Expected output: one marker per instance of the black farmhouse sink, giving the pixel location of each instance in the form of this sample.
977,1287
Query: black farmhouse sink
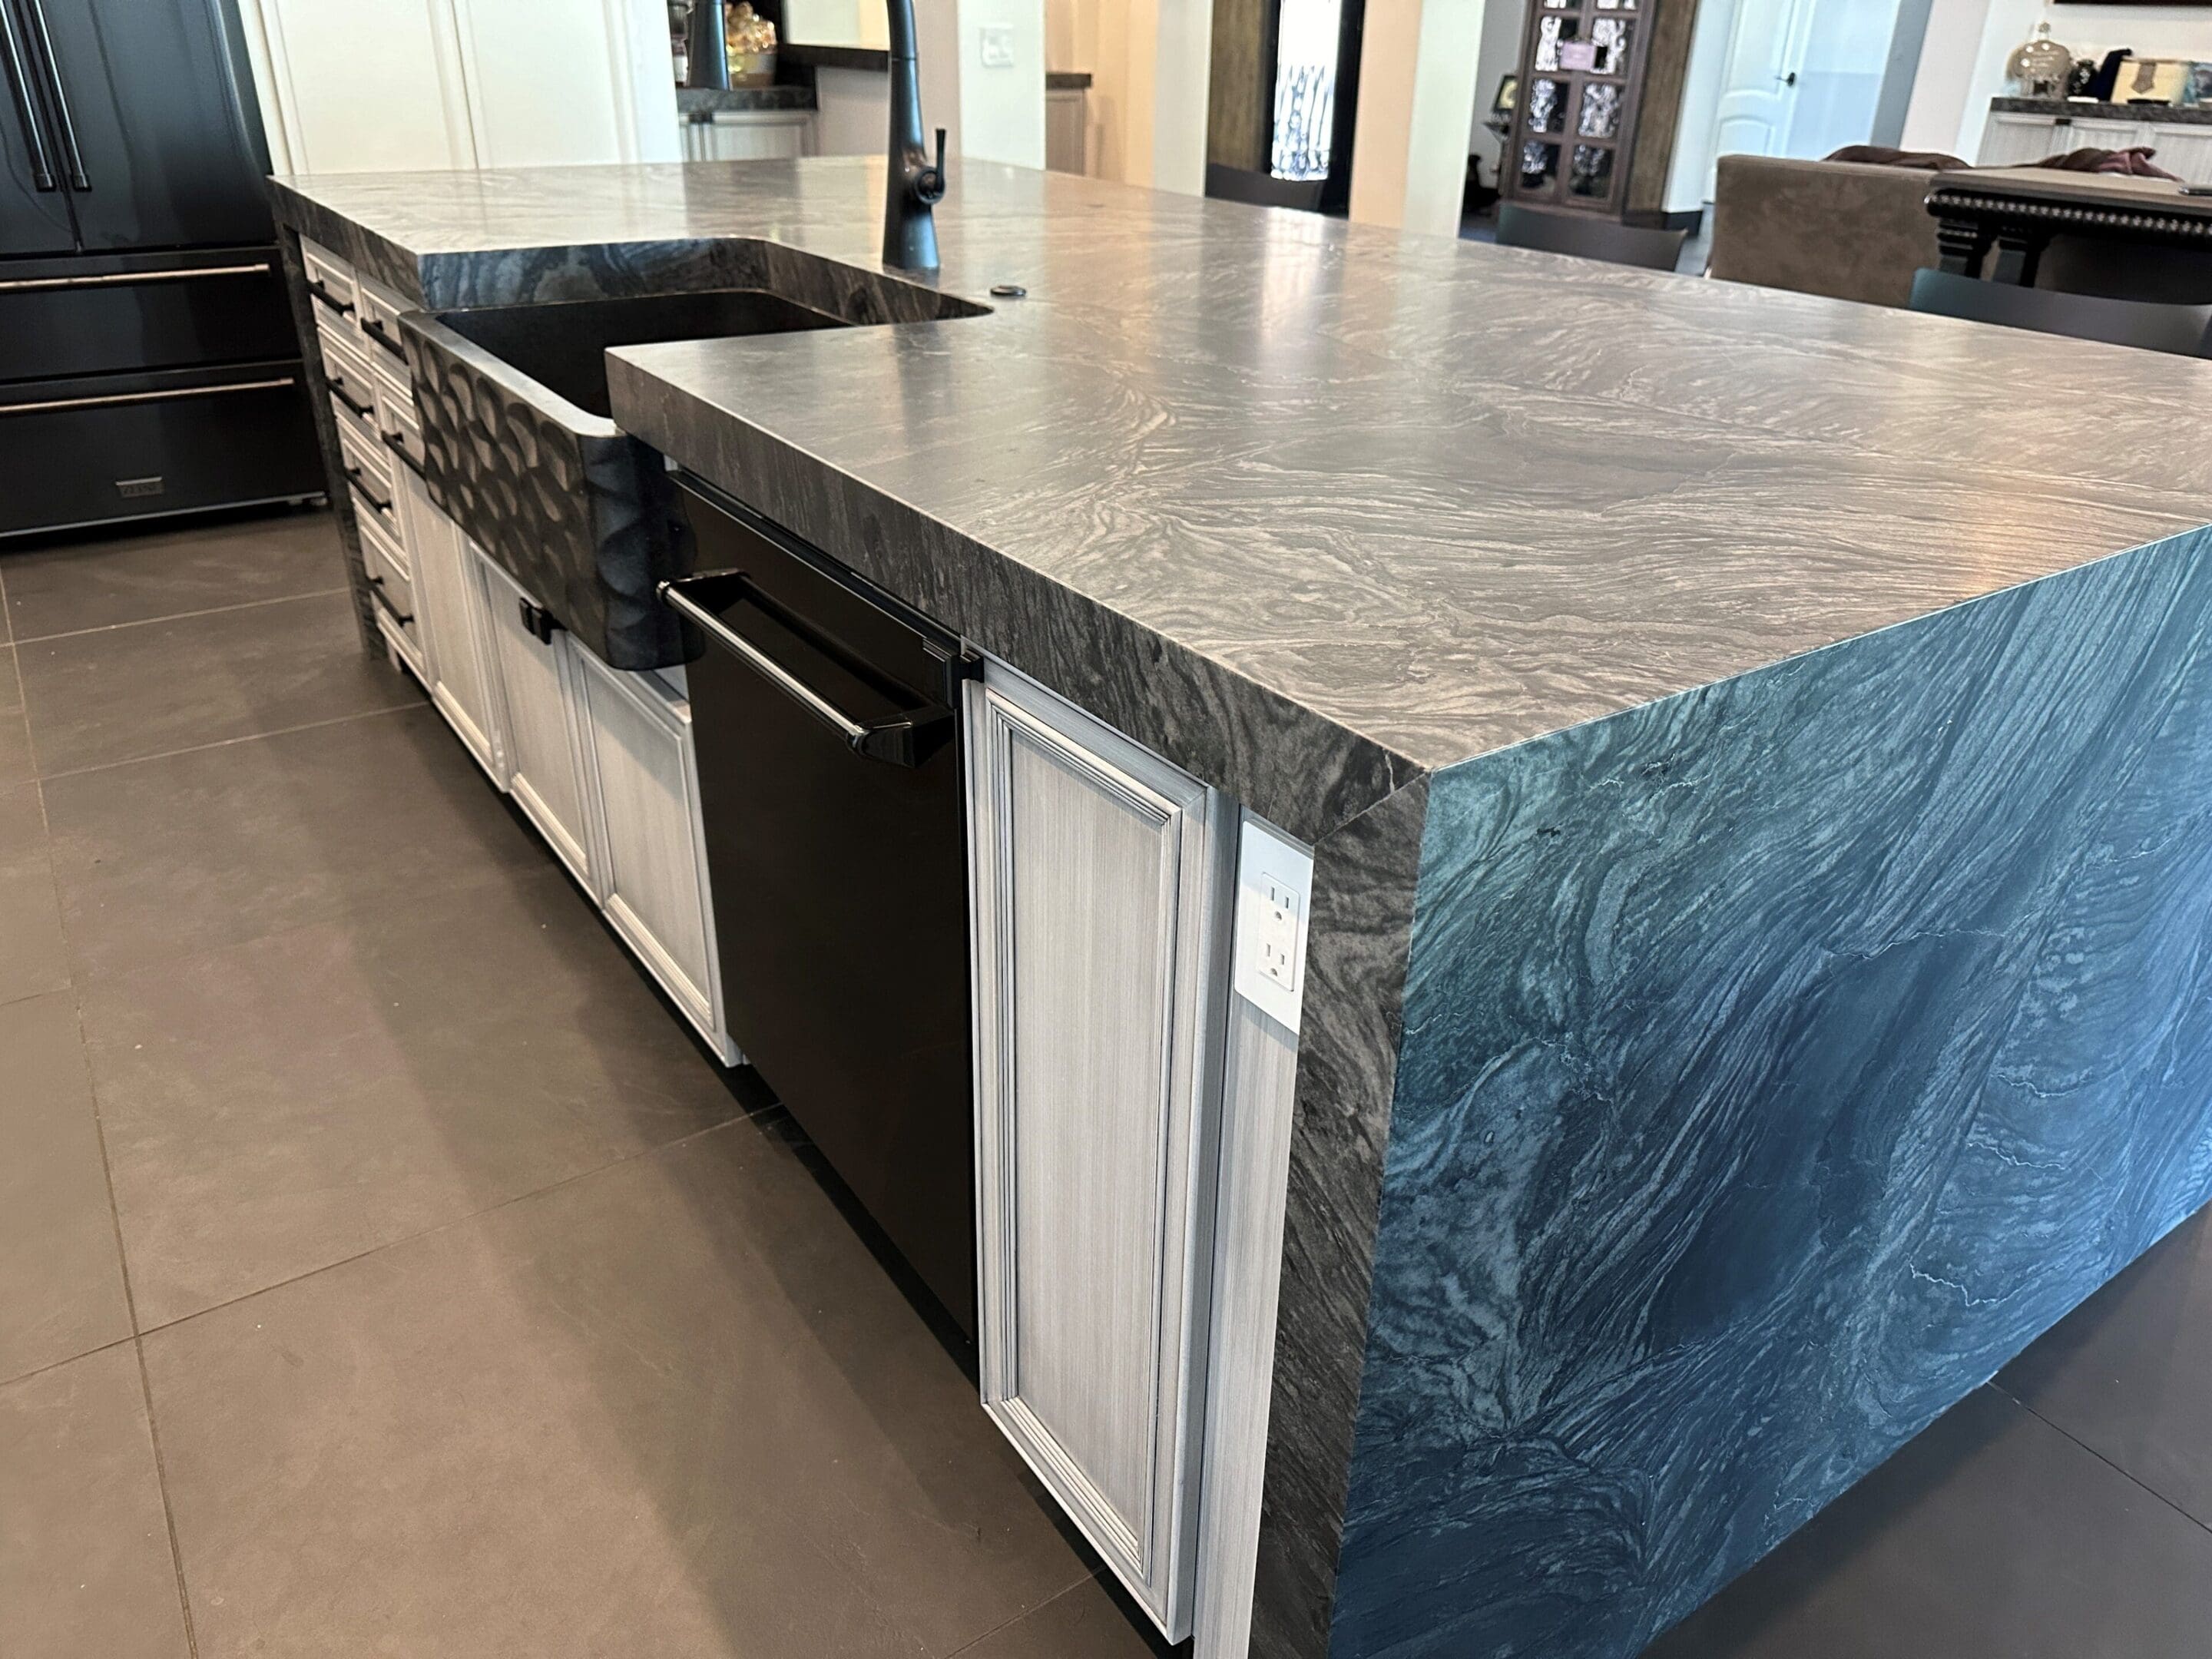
564,346
519,450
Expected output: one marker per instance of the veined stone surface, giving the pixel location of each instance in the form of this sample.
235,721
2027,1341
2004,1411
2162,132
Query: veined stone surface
1780,1059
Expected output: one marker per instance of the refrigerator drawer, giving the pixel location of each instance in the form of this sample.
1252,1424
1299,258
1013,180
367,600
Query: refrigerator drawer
85,451
224,308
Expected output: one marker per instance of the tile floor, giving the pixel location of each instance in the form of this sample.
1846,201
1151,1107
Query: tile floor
383,1269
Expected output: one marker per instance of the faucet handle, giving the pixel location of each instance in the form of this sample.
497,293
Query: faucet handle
929,183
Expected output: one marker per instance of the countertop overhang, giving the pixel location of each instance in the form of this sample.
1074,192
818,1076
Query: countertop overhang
1318,508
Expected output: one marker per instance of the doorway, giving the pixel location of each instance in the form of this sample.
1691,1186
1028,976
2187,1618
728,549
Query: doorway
1801,78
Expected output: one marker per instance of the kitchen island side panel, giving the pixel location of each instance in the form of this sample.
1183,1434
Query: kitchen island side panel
1781,1058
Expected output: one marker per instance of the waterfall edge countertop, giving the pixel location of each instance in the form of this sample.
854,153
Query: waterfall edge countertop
1316,507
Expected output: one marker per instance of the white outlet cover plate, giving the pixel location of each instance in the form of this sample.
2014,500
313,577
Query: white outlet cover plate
1266,856
998,46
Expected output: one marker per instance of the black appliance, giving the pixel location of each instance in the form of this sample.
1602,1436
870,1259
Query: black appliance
827,718
148,360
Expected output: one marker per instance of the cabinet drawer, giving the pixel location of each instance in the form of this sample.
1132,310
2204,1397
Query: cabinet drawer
391,550
346,371
368,469
152,312
396,421
331,285
406,639
380,322
386,561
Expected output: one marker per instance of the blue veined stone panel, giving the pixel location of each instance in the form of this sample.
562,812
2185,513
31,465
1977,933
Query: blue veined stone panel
1780,1059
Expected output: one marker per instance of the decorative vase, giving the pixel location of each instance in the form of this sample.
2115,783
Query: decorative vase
2039,67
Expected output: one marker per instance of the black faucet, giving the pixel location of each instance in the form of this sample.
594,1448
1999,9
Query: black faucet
913,182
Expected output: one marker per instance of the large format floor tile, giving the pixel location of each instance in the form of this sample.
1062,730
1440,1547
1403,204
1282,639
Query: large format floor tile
673,1407
33,957
1088,1622
197,850
152,687
86,1570
16,762
2128,1374
279,1105
201,566
1990,1536
61,1280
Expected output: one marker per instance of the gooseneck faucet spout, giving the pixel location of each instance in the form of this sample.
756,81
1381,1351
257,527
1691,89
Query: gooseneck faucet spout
914,183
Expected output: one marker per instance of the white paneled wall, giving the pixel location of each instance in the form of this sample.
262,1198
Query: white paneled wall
356,86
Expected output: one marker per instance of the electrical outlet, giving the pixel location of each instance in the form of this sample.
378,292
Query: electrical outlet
1274,890
998,46
1278,931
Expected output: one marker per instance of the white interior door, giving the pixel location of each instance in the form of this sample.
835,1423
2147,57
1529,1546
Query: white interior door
1759,82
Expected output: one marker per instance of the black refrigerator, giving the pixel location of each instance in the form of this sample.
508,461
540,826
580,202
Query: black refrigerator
147,360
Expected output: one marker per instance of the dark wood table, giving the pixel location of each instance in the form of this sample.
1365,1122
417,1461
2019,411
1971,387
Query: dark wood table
2016,212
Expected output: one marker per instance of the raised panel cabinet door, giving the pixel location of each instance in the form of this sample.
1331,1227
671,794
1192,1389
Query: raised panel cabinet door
1100,952
449,607
2010,140
369,88
645,786
539,723
2184,150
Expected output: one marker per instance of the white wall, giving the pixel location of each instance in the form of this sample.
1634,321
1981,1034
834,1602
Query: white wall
1500,50
1416,102
1962,63
1689,171
994,114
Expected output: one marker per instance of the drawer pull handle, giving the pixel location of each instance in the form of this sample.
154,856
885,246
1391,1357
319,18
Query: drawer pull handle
337,391
358,479
341,307
376,588
122,278
114,398
382,336
537,621
897,739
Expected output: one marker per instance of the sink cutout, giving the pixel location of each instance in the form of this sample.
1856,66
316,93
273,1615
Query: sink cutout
563,344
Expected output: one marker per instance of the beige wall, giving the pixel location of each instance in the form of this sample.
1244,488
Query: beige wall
1148,62
1417,94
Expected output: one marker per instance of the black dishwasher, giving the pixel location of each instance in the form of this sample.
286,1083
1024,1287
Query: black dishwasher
827,718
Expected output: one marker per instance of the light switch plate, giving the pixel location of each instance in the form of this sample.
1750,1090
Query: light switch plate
998,46
1274,891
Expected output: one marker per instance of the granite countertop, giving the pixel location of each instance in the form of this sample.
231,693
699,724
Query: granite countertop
704,103
1315,507
2178,114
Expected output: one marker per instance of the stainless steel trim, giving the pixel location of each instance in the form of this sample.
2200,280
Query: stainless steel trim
113,399
777,675
27,106
121,278
77,180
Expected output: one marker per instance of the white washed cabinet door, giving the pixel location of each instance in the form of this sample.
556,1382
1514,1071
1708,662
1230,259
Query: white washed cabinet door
540,710
449,607
1100,936
644,785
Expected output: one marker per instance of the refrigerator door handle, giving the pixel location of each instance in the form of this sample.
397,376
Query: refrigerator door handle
70,157
27,106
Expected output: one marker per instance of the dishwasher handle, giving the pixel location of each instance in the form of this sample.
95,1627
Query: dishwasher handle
900,739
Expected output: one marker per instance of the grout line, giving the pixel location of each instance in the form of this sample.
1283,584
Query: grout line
2128,1475
452,1222
1087,1579
137,1346
231,743
55,1364
177,616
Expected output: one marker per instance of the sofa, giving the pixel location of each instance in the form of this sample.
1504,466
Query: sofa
1842,228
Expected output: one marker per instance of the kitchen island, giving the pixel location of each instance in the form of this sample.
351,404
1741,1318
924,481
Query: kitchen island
1751,748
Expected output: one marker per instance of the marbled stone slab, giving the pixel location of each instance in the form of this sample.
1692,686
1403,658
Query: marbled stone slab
1780,1059
1314,508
